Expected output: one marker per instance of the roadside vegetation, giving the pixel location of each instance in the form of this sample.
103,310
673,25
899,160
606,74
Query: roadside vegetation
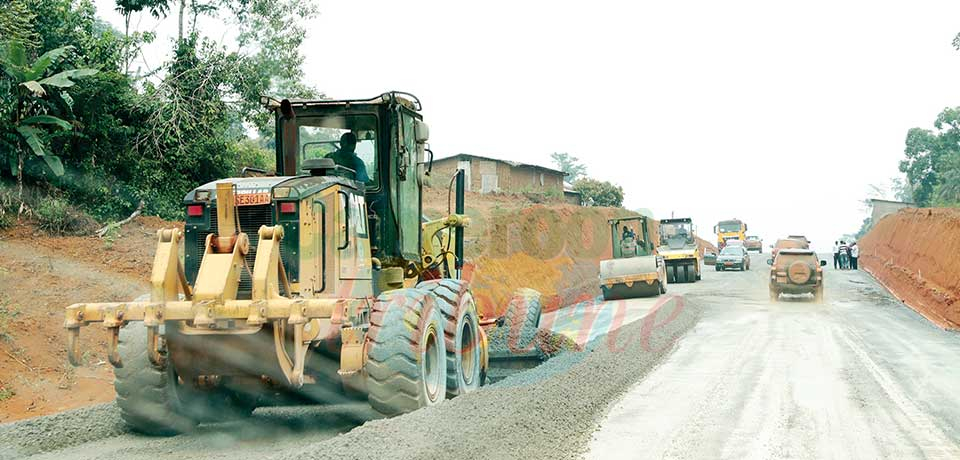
90,127
930,167
593,192
932,161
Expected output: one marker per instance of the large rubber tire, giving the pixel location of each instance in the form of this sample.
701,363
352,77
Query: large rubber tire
461,333
406,354
523,311
146,394
718,268
698,272
818,294
672,274
774,295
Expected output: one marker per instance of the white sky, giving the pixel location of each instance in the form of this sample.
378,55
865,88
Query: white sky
779,113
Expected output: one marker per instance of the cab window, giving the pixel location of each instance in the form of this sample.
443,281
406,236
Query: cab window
321,137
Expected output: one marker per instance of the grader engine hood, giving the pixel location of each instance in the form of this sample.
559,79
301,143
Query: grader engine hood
244,186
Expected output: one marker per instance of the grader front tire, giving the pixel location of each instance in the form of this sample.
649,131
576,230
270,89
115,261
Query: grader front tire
461,331
146,394
406,363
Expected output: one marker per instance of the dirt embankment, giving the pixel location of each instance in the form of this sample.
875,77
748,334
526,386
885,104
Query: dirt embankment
513,242
555,249
914,253
39,276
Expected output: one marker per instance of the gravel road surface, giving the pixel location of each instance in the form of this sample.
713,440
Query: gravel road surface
547,412
718,373
861,376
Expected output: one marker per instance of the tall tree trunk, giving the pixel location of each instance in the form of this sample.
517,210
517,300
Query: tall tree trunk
126,43
20,182
183,6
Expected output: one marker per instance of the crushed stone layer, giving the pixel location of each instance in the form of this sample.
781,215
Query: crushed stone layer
546,412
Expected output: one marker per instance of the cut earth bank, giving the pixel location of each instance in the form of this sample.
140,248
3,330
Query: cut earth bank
914,254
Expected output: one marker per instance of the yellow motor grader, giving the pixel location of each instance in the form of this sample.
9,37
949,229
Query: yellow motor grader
316,284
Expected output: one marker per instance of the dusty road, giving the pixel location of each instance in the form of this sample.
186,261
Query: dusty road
721,374
861,376
547,412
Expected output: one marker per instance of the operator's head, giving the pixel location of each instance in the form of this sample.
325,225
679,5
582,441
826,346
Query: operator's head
348,142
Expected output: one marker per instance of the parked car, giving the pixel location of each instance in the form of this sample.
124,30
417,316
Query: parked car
789,243
796,271
733,257
753,243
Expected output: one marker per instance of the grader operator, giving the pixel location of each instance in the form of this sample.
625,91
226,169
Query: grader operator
311,285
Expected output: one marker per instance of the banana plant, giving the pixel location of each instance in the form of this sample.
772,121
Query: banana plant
32,82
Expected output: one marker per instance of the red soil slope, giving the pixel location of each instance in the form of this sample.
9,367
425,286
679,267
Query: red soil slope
914,253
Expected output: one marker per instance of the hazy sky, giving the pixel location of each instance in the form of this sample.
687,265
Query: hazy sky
779,113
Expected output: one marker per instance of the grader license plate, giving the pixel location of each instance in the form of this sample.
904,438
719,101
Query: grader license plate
253,199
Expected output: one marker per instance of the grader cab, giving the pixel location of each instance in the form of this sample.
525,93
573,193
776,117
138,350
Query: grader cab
312,285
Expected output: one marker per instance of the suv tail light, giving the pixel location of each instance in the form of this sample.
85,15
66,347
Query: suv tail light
195,210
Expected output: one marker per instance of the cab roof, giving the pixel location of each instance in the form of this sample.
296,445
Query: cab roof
406,99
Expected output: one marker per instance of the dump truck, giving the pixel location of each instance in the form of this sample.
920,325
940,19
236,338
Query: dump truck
678,247
733,229
316,284
635,270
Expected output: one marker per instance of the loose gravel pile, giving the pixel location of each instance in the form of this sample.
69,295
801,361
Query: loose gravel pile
43,434
550,411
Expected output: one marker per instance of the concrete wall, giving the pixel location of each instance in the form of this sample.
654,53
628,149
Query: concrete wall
883,208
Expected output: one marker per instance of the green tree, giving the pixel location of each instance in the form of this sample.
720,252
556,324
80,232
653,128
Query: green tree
929,159
597,193
16,24
32,120
570,165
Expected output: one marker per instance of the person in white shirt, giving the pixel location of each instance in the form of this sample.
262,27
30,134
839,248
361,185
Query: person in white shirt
854,255
836,255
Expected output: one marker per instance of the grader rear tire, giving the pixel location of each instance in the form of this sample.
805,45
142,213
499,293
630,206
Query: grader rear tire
461,334
406,356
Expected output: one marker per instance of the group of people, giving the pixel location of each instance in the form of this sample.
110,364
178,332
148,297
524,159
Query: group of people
845,255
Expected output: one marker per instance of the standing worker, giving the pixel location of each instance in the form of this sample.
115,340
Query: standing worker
844,255
836,255
854,255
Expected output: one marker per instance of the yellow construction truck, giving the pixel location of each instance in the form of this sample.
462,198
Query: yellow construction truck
679,250
315,284
733,229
